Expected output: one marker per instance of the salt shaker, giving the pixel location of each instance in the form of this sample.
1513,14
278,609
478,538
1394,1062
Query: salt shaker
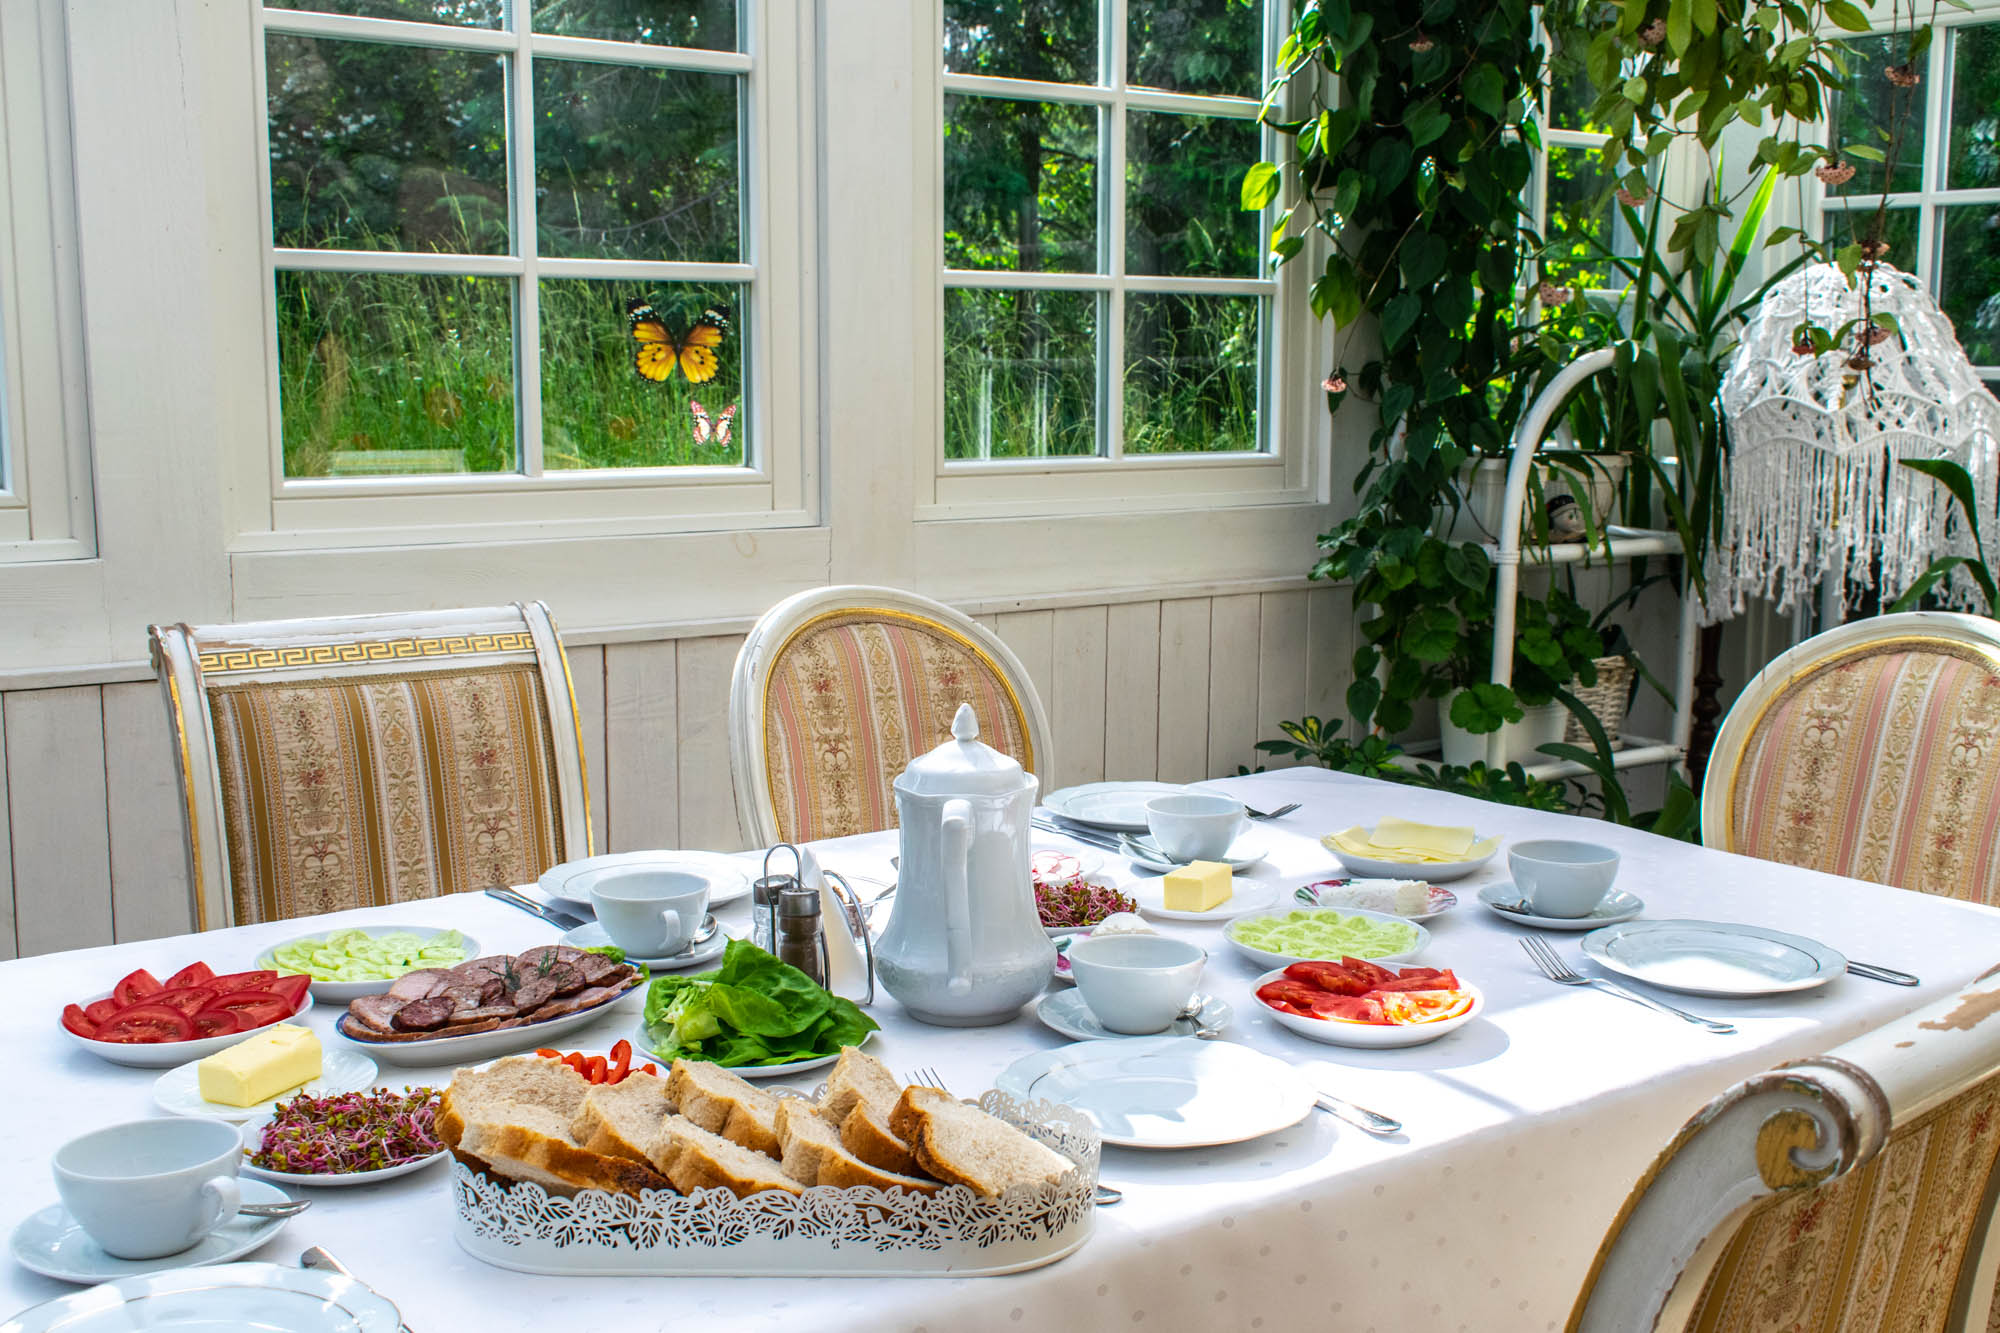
764,896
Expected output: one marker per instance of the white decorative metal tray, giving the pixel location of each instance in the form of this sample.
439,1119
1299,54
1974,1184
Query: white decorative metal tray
824,1232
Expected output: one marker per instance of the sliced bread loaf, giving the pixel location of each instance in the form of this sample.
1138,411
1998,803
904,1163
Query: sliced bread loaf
693,1158
623,1119
859,1077
962,1145
807,1139
515,1116
842,1170
718,1101
866,1134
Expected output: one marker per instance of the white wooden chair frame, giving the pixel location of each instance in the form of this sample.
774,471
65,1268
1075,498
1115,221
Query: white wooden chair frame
776,628
1798,1126
1725,760
191,658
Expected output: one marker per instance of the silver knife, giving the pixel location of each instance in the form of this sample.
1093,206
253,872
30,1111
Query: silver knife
1875,972
1101,841
554,916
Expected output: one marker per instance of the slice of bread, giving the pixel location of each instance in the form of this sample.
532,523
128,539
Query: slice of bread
806,1138
866,1134
842,1170
623,1119
718,1101
962,1145
858,1077
515,1115
693,1158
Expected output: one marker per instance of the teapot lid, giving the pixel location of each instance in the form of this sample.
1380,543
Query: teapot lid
962,766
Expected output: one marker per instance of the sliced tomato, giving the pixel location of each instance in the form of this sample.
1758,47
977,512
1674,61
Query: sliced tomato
1293,997
135,986
293,988
190,1000
236,981
1446,982
216,1023
78,1022
194,974
1328,977
254,1008
101,1012
1350,1008
1371,973
141,1023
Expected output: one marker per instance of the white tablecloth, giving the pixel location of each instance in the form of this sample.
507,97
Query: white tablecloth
1524,1130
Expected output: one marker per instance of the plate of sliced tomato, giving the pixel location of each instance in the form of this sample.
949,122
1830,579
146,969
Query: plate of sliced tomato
195,1012
1354,1002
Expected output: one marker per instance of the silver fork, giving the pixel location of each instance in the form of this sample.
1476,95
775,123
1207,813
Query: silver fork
930,1078
1279,813
1556,970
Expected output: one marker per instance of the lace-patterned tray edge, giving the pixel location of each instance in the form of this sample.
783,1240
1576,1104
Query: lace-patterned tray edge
823,1232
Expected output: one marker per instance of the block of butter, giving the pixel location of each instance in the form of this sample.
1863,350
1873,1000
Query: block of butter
259,1067
1198,886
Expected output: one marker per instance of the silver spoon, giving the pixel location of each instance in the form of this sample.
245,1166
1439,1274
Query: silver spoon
289,1208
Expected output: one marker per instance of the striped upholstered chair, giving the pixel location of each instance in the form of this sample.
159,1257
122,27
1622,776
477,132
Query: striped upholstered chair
1849,1193
338,763
837,689
1871,751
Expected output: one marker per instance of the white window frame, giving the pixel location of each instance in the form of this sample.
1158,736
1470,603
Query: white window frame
45,482
1932,196
777,484
1288,469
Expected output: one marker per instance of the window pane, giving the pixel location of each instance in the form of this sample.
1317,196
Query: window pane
1191,373
1974,160
1873,106
598,411
1582,219
467,13
635,163
1020,185
1184,178
708,24
1020,373
1051,40
390,373
1198,46
377,147
1899,228
1969,279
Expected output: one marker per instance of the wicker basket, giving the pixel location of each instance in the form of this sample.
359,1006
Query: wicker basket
1606,699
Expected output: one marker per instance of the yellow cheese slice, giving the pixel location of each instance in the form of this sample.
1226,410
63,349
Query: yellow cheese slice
1433,840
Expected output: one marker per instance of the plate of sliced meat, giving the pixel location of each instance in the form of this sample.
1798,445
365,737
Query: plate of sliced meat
486,1007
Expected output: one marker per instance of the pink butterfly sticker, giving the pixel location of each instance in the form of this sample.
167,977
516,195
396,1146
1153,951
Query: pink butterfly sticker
704,429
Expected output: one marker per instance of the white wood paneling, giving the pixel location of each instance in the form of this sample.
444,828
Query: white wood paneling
1132,691
7,946
1076,700
1281,661
61,835
1232,683
1031,634
149,895
707,800
642,782
1329,652
1184,658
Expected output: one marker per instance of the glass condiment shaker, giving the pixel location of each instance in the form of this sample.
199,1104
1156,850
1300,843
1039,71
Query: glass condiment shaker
764,895
800,933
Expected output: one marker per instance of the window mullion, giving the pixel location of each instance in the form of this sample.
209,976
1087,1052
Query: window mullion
527,298
1111,379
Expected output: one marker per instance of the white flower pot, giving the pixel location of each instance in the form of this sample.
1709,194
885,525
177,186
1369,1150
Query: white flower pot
1519,740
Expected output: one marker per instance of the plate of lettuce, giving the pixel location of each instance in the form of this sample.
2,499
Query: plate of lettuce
756,1015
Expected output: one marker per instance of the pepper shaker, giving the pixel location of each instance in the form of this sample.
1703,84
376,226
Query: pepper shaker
765,893
800,933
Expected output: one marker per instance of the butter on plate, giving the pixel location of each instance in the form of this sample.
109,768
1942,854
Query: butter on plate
1198,886
260,1066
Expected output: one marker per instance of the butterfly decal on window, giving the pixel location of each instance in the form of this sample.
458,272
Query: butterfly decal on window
656,352
704,431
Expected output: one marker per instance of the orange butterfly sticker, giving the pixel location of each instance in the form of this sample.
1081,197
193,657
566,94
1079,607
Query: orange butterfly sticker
656,353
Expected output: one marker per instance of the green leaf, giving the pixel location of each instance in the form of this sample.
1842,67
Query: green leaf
1680,26
1486,89
1399,316
1260,186
1847,15
1864,152
1388,163
1425,120
1485,707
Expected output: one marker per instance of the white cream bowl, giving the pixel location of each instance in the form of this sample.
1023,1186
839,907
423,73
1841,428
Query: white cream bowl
1136,984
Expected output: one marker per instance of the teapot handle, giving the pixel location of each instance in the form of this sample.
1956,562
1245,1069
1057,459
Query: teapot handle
957,842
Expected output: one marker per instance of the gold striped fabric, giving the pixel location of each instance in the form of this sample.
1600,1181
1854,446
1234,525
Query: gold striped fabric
380,789
1877,1251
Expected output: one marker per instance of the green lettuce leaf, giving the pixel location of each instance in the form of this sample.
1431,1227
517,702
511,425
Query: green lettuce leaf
753,1010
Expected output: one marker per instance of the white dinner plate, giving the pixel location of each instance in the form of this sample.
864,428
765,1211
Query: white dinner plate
1714,957
727,879
165,1054
1269,959
253,1139
473,1047
1246,895
178,1091
1376,1036
644,1045
341,992
1112,805
1067,1012
590,935
54,1244
1617,905
223,1298
1166,1092
1434,871
1251,846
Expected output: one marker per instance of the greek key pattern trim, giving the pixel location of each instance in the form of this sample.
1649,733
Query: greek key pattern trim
224,660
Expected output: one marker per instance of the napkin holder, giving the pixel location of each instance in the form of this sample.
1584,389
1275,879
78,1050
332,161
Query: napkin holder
850,949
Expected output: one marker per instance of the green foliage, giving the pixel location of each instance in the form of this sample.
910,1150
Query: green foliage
1954,478
1314,741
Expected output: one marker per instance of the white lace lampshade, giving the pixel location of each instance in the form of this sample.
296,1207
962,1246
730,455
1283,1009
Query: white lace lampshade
1814,483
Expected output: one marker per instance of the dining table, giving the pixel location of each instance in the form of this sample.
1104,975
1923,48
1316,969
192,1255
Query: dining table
1522,1132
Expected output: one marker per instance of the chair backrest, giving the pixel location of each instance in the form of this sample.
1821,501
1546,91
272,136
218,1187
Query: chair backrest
837,689
1872,751
1851,1191
346,762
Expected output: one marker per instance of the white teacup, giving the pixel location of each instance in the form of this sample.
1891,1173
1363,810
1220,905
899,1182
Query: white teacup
1560,877
1136,983
1195,826
150,1188
649,913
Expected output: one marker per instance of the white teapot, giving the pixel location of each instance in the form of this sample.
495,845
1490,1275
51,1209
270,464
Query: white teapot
965,944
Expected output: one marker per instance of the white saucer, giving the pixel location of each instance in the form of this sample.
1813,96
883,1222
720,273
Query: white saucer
1251,846
234,1296
727,879
1617,906
1066,1012
1247,895
178,1091
253,1138
590,935
52,1243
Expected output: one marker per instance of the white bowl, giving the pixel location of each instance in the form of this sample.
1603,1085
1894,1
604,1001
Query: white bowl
1560,877
1334,1032
165,1054
1434,871
1269,959
341,992
1195,826
1136,984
